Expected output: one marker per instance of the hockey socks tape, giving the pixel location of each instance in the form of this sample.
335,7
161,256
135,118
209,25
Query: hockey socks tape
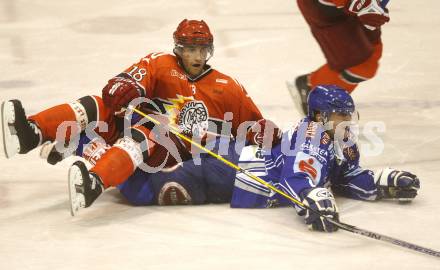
132,148
80,114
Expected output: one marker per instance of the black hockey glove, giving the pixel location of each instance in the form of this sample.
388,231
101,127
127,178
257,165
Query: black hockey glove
50,153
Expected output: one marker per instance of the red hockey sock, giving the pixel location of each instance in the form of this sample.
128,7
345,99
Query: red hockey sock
325,75
114,167
119,162
49,120
71,118
351,77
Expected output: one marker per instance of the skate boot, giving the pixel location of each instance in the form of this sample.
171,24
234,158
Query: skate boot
19,134
84,187
300,91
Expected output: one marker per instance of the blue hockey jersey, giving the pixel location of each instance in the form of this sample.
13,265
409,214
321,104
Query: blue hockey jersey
307,157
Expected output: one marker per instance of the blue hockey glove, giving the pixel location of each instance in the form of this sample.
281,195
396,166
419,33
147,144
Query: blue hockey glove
322,201
395,184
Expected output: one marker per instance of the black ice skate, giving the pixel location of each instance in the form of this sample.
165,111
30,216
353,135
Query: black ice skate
84,187
19,134
300,91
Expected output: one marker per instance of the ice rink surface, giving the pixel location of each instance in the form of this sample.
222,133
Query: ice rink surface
52,52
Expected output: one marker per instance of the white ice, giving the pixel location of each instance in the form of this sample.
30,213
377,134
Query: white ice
55,51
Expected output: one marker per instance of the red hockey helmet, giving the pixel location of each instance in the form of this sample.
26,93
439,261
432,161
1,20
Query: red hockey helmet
193,32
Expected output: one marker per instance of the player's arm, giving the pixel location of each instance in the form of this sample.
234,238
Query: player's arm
357,183
302,178
304,175
136,81
242,105
264,133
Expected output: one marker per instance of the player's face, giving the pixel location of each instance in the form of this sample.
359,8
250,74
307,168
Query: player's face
194,59
340,124
338,118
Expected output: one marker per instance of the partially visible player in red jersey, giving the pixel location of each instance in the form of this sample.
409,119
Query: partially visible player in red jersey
349,34
193,96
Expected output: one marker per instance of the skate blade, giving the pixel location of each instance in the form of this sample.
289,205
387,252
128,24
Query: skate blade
294,94
76,200
11,144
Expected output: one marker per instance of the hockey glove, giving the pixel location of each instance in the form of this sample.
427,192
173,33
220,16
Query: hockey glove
369,12
54,152
395,184
119,92
321,200
264,133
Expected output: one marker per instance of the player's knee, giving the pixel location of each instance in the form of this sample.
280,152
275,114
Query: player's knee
141,137
86,109
365,70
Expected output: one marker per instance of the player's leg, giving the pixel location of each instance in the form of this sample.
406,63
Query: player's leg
350,77
181,184
207,180
138,189
113,167
219,177
138,148
346,44
21,134
359,185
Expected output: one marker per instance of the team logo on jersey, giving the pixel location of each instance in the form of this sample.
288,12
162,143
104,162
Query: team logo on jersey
223,81
309,165
193,118
177,74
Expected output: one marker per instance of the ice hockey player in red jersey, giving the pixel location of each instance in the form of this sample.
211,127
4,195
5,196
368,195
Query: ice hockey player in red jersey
192,95
349,34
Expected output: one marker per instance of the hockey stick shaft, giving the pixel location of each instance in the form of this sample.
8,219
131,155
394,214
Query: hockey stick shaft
385,238
343,226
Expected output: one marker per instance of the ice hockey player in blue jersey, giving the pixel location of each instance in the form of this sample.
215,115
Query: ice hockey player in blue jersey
315,159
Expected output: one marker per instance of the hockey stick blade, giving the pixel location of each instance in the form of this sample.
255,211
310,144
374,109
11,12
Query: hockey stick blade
381,237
